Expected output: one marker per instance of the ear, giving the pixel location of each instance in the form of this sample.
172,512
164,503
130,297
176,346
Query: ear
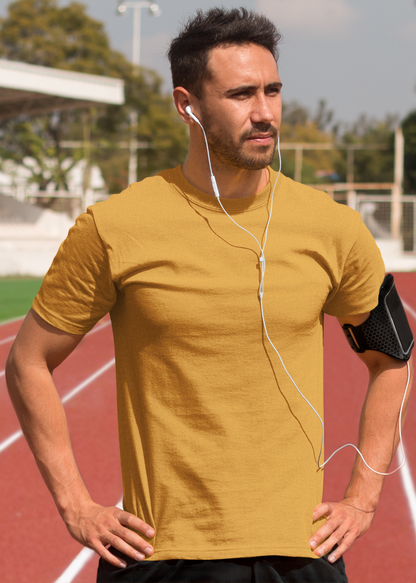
182,99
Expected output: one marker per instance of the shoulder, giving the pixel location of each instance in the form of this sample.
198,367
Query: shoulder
140,202
311,206
135,194
311,197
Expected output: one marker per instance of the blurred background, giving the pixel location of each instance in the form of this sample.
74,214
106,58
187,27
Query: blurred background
86,109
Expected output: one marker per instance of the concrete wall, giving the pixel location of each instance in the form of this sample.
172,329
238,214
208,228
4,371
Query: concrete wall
29,237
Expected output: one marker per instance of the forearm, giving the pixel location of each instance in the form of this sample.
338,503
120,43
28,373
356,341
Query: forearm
379,435
39,348
44,424
379,432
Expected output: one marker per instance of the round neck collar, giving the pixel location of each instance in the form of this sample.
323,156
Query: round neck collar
232,205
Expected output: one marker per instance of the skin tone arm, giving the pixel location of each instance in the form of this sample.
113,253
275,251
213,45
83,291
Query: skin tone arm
38,349
378,438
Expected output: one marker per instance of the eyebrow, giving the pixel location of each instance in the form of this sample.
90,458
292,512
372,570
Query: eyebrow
275,85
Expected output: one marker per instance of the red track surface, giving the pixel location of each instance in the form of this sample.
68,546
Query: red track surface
35,546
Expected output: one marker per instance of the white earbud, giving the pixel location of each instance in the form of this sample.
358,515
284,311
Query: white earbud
188,110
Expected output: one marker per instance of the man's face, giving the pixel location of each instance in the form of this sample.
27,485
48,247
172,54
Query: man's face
241,106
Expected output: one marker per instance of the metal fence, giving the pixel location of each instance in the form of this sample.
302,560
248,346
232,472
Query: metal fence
376,212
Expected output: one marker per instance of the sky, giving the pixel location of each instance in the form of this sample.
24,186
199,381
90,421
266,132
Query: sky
358,55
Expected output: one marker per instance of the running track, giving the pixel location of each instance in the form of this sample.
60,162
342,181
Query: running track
35,546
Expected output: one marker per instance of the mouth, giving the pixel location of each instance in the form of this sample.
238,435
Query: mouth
261,139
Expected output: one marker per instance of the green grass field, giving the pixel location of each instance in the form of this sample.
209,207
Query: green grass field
16,296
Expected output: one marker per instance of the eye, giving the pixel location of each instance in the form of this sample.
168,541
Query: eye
241,95
272,91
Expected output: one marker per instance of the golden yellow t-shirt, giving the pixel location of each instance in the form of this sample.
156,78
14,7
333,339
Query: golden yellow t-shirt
218,449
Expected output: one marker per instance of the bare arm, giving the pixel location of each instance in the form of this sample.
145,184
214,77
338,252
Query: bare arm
378,438
38,349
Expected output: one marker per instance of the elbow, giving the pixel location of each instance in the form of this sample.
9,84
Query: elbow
12,368
377,363
18,368
10,363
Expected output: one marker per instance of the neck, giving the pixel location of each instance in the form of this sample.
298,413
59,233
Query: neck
232,182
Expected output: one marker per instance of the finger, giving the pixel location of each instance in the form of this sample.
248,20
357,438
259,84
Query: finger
105,554
109,530
323,509
329,543
326,530
133,521
130,543
343,545
131,551
344,536
116,538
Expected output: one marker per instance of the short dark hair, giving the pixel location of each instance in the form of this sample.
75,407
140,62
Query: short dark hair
189,51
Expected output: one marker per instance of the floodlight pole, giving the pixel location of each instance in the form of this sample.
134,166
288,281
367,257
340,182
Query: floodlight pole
134,117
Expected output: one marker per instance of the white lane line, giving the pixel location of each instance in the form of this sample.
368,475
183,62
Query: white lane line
12,320
82,558
96,329
408,486
9,339
405,473
15,436
76,566
100,327
87,381
409,309
10,440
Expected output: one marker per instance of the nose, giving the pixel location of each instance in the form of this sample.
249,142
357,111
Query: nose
262,111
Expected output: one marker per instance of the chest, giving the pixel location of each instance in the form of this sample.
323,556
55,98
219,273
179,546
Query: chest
202,277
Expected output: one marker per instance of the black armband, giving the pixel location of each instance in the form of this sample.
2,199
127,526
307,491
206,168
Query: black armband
387,329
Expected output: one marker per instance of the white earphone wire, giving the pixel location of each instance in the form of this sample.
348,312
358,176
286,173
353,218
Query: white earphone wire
262,262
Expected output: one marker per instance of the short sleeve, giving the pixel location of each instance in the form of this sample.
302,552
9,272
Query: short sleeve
78,289
361,276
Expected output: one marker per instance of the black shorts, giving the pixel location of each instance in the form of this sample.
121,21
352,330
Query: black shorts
270,569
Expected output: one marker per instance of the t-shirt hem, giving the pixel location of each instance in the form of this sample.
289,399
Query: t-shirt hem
357,311
53,320
233,553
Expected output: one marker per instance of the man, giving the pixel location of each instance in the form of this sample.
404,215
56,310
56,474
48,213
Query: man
219,452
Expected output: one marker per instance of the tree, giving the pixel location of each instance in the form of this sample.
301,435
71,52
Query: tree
370,165
42,33
374,164
299,125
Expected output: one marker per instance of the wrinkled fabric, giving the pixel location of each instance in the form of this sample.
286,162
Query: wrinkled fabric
219,451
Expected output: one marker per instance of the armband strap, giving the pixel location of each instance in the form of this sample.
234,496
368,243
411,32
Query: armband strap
387,329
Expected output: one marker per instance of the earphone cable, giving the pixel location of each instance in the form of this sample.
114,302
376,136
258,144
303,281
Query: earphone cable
262,262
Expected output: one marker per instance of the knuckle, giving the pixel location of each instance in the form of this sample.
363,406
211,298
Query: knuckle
113,541
349,538
102,530
344,545
89,540
354,533
127,519
337,537
127,535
